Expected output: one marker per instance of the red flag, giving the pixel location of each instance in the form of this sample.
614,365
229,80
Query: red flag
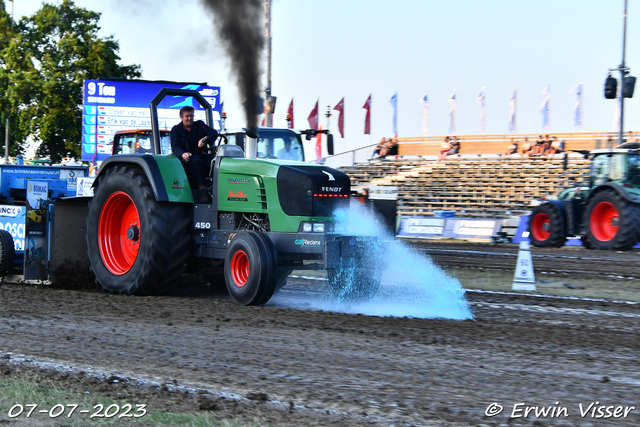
290,114
313,117
319,145
340,108
367,119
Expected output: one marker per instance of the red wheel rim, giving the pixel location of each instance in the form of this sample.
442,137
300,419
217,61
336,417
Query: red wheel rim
119,233
240,268
537,227
604,221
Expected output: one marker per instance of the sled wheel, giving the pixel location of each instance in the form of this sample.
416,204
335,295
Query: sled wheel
546,227
135,244
353,284
249,269
613,223
7,252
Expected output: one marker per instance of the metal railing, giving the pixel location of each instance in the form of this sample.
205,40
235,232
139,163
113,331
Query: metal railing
348,158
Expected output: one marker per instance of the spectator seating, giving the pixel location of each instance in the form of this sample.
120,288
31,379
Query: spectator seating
477,186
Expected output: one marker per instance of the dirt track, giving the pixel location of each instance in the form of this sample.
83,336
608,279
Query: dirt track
296,367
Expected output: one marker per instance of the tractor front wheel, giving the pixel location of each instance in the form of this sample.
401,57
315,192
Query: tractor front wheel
250,268
613,223
135,244
546,227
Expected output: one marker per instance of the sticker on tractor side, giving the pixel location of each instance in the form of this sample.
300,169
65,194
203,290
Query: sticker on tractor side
176,183
238,180
237,197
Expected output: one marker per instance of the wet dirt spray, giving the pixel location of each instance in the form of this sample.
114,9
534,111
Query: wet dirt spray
411,284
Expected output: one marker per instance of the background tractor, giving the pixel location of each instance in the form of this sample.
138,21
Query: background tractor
256,221
604,211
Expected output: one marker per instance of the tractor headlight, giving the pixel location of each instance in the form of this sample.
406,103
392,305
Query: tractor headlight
318,227
306,227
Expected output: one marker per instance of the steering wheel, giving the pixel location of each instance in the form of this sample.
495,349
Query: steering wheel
214,146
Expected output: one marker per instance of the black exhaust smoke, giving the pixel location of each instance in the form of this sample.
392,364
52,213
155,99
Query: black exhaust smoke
241,31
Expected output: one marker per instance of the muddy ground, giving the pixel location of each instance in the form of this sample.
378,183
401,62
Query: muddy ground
281,366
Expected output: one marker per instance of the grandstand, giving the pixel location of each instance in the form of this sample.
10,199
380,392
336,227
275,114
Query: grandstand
474,185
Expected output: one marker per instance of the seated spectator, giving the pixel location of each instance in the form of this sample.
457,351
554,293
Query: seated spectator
631,137
512,148
379,147
557,147
539,147
455,146
526,148
390,148
444,149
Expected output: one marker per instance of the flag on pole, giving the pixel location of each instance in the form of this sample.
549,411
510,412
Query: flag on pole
544,109
481,103
394,103
577,108
340,109
452,113
425,110
313,117
618,115
367,118
512,113
290,113
319,145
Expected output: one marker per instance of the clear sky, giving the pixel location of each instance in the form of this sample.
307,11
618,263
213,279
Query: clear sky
331,49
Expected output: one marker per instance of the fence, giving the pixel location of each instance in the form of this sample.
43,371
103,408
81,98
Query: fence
348,158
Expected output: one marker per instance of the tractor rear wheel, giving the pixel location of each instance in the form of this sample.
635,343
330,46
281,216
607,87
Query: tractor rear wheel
136,245
613,223
546,227
7,252
353,284
250,268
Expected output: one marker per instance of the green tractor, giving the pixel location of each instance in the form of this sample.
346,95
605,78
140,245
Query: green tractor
256,221
604,211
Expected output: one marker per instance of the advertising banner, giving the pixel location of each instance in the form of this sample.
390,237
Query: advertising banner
35,256
12,219
110,106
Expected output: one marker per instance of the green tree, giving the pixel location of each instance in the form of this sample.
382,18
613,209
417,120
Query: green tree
46,60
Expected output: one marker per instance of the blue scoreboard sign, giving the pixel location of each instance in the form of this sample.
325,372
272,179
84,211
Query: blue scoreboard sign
110,106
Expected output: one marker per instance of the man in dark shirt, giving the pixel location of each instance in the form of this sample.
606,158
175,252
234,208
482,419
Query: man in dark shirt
188,145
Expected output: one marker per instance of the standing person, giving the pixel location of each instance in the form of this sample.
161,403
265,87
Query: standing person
187,144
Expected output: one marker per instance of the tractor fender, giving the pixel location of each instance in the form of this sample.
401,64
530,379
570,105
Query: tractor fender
556,204
612,186
166,175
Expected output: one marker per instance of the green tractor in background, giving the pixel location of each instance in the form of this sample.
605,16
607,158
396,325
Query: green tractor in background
257,220
604,212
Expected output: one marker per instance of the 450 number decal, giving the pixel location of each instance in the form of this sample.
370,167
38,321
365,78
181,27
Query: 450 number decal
201,225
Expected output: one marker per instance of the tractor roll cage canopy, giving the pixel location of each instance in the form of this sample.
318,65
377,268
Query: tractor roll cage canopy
153,106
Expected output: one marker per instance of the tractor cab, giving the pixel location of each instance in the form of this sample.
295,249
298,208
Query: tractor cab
277,143
618,165
140,141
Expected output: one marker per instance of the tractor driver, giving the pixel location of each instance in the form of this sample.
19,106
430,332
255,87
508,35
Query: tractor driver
288,153
187,145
